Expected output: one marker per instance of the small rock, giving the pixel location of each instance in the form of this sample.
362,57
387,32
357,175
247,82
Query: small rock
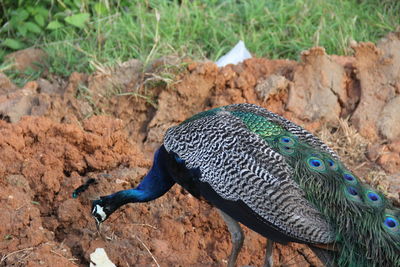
16,105
271,86
31,86
6,85
47,87
395,147
352,43
389,120
394,186
318,86
374,151
22,102
390,162
27,58
377,69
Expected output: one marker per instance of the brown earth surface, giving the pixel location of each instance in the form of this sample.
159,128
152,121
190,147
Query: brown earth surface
56,134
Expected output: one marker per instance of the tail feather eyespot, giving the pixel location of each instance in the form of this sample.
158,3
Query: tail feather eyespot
286,150
352,193
315,164
391,224
286,141
349,178
332,164
373,198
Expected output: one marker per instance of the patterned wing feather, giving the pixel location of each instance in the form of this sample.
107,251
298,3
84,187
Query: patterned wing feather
239,165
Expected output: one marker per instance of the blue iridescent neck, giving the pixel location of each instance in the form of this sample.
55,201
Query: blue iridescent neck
155,184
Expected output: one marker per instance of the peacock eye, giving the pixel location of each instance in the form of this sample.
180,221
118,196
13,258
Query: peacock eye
373,196
316,164
286,141
286,150
332,164
352,191
391,222
349,178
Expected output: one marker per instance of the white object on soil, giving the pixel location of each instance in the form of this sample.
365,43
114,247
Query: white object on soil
235,56
99,258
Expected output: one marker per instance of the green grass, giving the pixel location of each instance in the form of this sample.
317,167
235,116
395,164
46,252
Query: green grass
208,29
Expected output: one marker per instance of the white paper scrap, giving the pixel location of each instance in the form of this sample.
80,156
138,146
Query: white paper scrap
235,56
99,258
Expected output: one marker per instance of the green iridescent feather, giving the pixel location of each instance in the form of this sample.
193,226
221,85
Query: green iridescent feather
368,232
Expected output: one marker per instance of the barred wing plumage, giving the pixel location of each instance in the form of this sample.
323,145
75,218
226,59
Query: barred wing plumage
240,166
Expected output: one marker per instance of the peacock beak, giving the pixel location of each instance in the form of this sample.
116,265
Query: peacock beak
99,215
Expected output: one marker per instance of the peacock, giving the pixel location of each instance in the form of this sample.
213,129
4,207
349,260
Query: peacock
269,174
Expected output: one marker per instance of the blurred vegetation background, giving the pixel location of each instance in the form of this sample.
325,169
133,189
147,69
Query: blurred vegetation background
80,35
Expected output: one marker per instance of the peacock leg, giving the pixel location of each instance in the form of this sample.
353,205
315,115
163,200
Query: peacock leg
268,254
237,237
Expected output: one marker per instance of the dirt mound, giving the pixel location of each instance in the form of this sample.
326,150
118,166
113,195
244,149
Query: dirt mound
46,155
41,163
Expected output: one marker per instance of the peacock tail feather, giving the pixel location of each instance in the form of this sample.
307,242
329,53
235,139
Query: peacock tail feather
364,220
287,174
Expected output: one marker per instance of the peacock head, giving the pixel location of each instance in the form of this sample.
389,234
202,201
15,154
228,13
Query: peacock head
102,208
